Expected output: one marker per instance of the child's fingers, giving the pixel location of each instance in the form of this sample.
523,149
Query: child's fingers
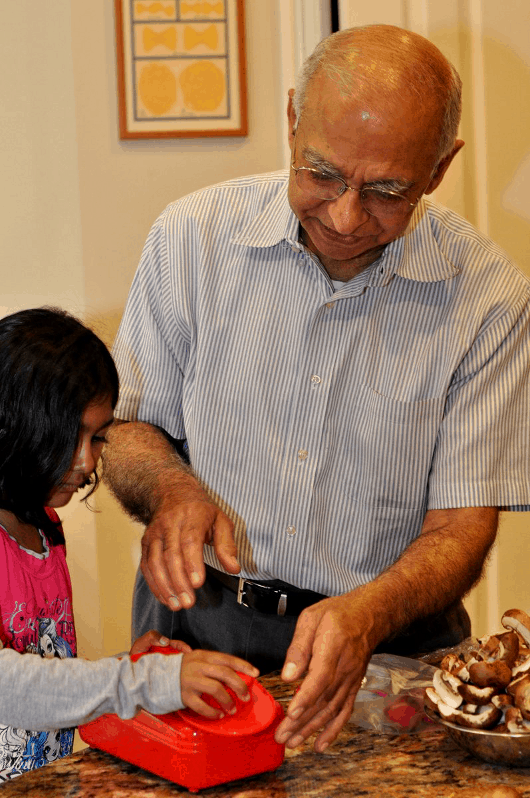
213,673
193,688
219,676
197,704
180,645
235,663
245,667
150,638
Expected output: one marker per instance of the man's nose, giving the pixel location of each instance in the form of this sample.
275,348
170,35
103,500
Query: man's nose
347,212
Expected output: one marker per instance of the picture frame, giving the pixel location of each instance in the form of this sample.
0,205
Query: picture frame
181,68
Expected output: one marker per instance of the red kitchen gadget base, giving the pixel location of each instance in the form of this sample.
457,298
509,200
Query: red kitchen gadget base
192,750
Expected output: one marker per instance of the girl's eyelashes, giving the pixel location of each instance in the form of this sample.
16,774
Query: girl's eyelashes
99,439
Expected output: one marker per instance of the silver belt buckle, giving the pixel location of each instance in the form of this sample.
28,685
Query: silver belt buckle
282,601
282,604
241,592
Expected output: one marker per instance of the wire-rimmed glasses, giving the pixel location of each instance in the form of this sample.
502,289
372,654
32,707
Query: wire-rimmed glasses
382,203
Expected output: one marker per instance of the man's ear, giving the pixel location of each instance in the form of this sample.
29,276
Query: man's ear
442,167
291,117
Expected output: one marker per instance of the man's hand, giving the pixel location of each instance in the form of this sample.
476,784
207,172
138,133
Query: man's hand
335,638
172,549
159,490
330,643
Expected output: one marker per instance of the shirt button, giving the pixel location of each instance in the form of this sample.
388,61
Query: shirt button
295,248
315,379
291,531
302,454
329,305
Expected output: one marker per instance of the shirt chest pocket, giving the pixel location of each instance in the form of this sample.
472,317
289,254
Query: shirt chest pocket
392,443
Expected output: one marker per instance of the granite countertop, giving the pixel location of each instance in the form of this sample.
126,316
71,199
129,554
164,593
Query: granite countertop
360,763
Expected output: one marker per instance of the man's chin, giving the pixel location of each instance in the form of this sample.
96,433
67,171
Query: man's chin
356,258
330,246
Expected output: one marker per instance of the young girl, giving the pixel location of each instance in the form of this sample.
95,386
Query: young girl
58,389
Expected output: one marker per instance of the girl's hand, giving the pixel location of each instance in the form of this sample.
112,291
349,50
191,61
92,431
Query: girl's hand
154,638
211,672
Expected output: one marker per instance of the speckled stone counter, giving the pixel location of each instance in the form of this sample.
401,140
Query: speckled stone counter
360,763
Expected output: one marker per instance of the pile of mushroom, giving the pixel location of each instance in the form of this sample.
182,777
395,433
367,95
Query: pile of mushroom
489,688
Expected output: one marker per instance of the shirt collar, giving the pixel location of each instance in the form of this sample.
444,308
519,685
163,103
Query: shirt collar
416,255
274,224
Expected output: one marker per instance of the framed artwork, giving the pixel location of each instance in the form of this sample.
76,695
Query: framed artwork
181,68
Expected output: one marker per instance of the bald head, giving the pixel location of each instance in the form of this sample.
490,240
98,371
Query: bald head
385,64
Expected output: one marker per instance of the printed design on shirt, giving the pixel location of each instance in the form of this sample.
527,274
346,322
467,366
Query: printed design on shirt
33,629
12,746
22,750
50,643
47,746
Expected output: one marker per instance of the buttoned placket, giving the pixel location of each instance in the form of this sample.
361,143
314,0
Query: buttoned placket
302,451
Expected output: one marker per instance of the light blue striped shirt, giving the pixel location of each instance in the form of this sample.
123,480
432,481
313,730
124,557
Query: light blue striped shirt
326,422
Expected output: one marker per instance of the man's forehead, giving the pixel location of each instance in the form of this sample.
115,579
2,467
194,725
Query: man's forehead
395,118
366,147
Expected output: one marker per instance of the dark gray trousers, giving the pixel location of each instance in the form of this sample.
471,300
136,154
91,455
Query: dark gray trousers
218,623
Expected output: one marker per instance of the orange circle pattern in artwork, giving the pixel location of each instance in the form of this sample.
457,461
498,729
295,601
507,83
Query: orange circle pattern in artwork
203,86
157,88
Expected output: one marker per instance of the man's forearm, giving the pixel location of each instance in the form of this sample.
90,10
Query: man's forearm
438,568
143,470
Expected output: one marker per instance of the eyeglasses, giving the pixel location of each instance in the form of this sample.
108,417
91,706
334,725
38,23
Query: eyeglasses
383,203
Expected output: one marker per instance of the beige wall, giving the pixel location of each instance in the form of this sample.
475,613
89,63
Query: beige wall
489,42
77,205
506,183
124,185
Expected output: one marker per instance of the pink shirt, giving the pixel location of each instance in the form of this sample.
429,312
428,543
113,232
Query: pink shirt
35,600
35,618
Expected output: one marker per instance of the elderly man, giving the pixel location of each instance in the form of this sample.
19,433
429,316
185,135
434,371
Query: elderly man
346,365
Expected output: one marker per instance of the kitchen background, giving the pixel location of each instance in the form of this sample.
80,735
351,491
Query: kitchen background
77,203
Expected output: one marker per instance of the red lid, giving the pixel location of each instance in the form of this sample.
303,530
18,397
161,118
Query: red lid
251,717
156,650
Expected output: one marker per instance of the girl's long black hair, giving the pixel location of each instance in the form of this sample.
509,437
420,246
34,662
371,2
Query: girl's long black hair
51,368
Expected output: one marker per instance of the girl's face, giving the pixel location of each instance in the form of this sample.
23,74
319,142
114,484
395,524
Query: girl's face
95,422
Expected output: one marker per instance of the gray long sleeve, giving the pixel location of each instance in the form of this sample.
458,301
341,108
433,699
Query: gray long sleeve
43,694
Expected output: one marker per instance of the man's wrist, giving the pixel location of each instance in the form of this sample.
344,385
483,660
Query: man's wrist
372,613
178,490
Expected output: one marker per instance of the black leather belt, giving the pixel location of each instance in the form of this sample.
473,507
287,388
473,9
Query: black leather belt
274,598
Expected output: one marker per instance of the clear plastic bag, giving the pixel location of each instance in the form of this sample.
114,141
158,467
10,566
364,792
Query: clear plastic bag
390,700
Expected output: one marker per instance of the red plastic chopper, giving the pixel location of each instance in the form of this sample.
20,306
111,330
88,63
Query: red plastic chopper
191,750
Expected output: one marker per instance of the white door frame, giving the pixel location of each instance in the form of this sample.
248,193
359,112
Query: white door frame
303,23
